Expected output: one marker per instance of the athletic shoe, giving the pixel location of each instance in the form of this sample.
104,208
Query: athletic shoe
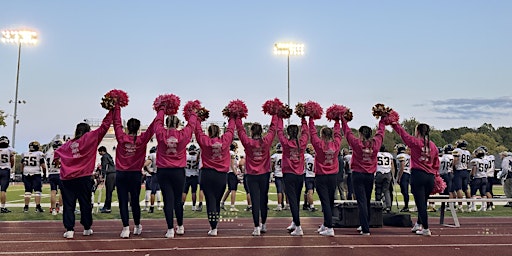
200,207
180,230
5,210
212,232
248,208
431,209
424,232
312,209
39,209
305,207
405,209
292,227
170,233
364,234
322,228
263,228
151,209
490,208
69,234
137,230
88,232
483,208
222,206
327,232
105,210
286,207
256,232
125,233
54,212
160,208
360,228
233,209
297,232
193,208
472,208
278,208
416,227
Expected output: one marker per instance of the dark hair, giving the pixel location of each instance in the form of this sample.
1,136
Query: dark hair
424,131
102,149
293,133
172,121
326,133
81,129
382,148
256,130
133,126
366,132
213,131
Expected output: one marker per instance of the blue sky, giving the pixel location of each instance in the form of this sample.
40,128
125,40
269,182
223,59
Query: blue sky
446,63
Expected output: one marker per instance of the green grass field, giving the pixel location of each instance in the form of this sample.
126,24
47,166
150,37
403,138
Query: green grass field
16,191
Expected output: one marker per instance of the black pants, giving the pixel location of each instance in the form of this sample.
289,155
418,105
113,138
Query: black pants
293,189
363,186
258,185
172,181
213,184
110,185
382,185
326,187
422,184
405,180
128,189
72,190
350,187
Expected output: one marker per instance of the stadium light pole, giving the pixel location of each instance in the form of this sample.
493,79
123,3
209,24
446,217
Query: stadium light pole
288,49
18,37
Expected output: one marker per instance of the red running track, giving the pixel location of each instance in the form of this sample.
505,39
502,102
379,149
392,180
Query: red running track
476,236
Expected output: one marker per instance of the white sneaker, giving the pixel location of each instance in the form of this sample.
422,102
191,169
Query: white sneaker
416,227
54,212
193,208
292,227
360,228
69,234
364,234
297,232
88,232
278,208
263,228
322,228
212,232
483,208
327,232
424,232
256,232
159,208
170,233
233,209
180,230
137,230
125,233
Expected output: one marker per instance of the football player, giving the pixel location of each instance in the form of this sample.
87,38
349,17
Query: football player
33,166
6,165
461,158
490,176
232,179
192,174
404,173
446,169
54,178
478,177
276,160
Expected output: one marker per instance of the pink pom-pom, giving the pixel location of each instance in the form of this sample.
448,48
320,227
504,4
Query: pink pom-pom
439,185
114,97
191,107
235,109
391,118
313,110
272,107
335,112
170,103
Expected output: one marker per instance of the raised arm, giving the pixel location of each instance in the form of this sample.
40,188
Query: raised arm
240,129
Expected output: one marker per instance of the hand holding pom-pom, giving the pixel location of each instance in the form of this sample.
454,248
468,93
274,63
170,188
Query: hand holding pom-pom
348,116
113,98
313,110
284,112
439,185
379,110
235,109
335,112
203,114
299,110
169,103
272,107
191,107
391,118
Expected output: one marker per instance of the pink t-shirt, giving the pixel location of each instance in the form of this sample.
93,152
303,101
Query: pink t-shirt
364,153
77,157
172,143
257,151
326,153
215,151
293,156
130,150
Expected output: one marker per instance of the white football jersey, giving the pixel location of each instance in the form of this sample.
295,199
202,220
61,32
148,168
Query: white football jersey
233,154
151,167
53,167
506,164
309,165
404,160
445,164
5,157
192,168
277,158
32,162
348,159
384,162
490,168
464,157
481,167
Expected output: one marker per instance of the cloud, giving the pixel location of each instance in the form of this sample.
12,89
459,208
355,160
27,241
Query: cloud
472,108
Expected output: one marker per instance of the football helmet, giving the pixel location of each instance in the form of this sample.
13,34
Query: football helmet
4,142
56,144
448,148
152,150
479,152
279,148
400,148
461,143
484,148
34,146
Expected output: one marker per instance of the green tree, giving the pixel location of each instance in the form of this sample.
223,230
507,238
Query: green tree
2,118
410,125
476,140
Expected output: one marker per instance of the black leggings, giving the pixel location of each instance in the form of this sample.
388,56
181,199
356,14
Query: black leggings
258,185
128,189
422,184
172,181
72,190
363,186
293,188
326,187
213,184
